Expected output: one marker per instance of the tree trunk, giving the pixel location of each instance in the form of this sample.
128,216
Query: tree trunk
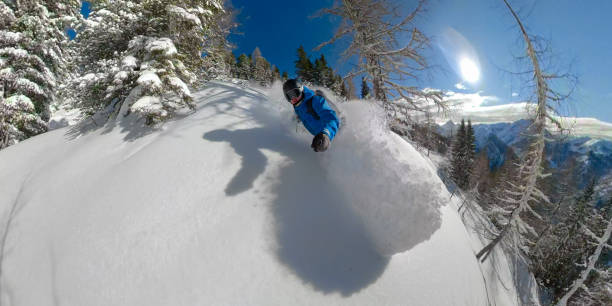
486,251
377,81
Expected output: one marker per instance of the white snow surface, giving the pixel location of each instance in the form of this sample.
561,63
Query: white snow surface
63,117
229,206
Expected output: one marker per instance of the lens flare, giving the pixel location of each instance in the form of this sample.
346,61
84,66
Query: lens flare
460,55
469,70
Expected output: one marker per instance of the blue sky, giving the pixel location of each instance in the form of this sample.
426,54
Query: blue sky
580,34
278,28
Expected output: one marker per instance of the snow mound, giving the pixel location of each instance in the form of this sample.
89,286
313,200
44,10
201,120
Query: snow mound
399,193
163,45
150,79
229,205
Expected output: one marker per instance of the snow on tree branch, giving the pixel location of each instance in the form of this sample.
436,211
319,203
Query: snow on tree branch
525,192
579,283
373,29
150,51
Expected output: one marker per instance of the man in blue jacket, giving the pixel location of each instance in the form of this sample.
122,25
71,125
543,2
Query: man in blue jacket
314,112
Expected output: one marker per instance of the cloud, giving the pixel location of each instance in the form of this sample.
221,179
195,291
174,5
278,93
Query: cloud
460,86
514,94
469,100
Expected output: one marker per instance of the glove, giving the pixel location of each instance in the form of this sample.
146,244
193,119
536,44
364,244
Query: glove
320,143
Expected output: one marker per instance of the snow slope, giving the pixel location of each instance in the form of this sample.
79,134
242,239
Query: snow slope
229,206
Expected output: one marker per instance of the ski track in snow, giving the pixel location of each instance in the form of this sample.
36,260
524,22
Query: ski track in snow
229,205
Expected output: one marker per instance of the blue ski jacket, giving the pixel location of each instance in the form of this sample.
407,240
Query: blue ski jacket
316,114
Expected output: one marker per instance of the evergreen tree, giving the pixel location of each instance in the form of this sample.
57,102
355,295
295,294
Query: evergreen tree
256,53
303,66
470,151
141,56
595,283
257,67
316,76
277,75
330,80
464,155
323,74
285,76
33,51
243,67
343,90
554,262
230,64
588,278
261,70
336,82
218,26
459,156
365,89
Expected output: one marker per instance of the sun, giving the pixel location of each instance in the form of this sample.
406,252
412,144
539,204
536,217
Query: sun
469,70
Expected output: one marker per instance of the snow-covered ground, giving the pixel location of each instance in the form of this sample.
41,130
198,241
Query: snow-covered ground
229,206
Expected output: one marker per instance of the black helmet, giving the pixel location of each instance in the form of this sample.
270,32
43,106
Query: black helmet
292,88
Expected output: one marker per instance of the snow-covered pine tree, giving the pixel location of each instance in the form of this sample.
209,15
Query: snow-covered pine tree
276,74
261,70
142,56
323,74
458,164
285,76
230,62
365,88
470,152
592,286
256,54
343,89
216,48
244,67
32,61
257,71
316,78
375,30
554,262
336,83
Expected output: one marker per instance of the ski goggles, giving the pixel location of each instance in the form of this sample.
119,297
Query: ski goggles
293,93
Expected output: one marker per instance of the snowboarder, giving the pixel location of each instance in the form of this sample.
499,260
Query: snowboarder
314,112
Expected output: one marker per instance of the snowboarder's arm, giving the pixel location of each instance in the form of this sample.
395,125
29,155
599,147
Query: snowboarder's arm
328,116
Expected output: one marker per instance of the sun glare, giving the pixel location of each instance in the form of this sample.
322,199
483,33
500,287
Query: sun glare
469,70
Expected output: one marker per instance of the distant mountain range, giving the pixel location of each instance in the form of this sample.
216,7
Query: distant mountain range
588,148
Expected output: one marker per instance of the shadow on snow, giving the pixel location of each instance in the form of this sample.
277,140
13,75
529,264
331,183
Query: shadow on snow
134,127
318,236
324,236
